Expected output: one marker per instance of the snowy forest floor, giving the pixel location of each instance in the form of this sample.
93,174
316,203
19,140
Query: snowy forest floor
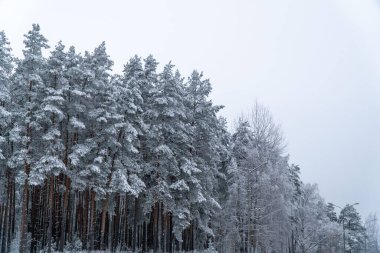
97,251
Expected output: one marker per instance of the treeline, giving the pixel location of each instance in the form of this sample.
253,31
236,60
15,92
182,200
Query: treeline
92,160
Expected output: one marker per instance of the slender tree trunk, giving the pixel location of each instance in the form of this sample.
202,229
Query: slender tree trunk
2,222
171,233
64,213
12,219
24,212
72,215
155,228
3,226
103,222
85,219
57,210
116,224
35,201
127,236
50,228
110,232
6,221
159,228
105,203
144,237
92,221
134,234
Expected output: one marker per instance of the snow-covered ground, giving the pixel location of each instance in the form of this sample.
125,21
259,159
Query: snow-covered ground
205,251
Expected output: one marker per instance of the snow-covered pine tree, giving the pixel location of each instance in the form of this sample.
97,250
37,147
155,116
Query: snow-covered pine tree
6,67
354,230
50,116
6,174
100,139
129,160
297,186
74,132
168,140
226,163
239,189
26,98
205,146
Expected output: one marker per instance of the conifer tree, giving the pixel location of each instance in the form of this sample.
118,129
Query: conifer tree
6,175
27,96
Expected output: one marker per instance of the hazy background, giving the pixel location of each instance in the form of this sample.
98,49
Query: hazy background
315,64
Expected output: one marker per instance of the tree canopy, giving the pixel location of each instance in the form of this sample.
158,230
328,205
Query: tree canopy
141,161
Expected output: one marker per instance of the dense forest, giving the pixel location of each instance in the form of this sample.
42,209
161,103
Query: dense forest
141,162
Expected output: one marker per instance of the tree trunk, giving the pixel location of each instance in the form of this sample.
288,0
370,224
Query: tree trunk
85,219
134,239
12,219
103,222
64,213
24,212
159,227
50,228
92,221
6,221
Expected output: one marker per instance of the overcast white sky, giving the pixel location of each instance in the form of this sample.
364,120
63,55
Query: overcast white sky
315,64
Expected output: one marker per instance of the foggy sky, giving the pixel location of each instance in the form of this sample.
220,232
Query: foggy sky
315,64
